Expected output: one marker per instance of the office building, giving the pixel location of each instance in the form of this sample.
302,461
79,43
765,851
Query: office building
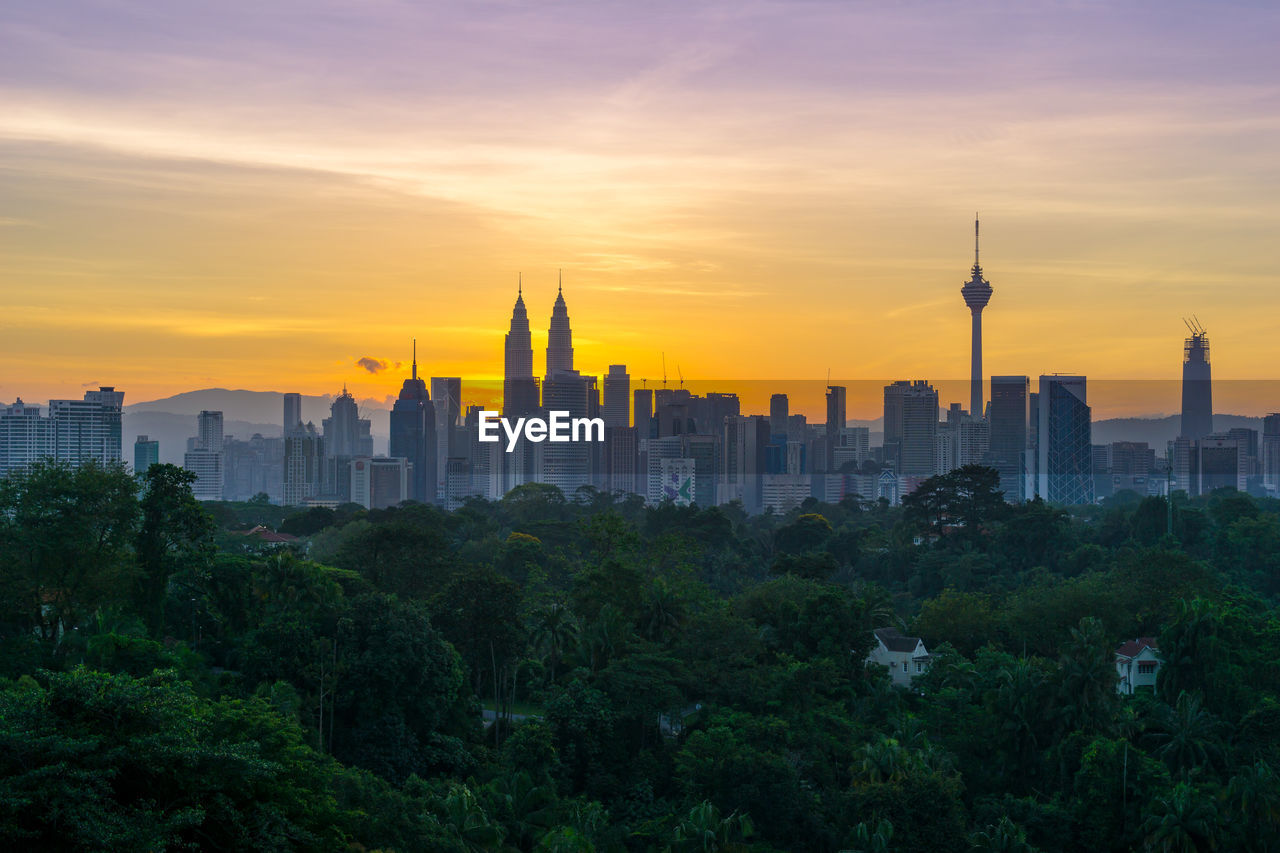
1197,386
303,465
89,429
1009,415
837,405
413,435
25,437
292,413
1064,469
146,452
617,397
559,336
779,411
379,483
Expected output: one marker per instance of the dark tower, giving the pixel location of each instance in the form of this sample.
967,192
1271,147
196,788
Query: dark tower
1197,388
519,388
559,336
413,434
977,293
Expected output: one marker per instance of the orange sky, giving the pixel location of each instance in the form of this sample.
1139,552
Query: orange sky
764,192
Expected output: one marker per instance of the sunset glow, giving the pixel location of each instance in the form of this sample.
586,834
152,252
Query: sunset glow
261,195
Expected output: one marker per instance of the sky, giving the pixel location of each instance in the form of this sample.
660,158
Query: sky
282,196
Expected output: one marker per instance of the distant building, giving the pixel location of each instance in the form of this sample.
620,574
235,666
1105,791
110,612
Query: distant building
207,466
779,411
379,483
146,452
519,388
643,404
977,293
1197,386
25,437
617,397
559,336
906,657
1138,663
1064,469
446,396
292,413
303,467
1008,415
919,430
1270,451
413,434
89,429
837,414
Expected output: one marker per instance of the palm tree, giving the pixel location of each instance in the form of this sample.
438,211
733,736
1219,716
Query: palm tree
663,611
1253,797
884,760
554,631
1087,680
1186,736
873,840
1004,836
703,829
1185,821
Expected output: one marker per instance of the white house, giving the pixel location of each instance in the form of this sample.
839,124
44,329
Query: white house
906,657
1138,662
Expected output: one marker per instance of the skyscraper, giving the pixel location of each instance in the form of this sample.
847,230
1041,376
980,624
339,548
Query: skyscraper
1271,452
446,394
303,465
1064,469
837,397
1008,445
519,388
559,337
209,431
643,401
779,411
206,458
413,435
919,430
1197,389
25,436
146,453
617,397
292,413
977,293
346,436
88,429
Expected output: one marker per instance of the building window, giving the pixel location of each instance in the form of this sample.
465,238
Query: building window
904,666
919,666
1146,667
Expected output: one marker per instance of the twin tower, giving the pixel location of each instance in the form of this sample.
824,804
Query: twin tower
519,387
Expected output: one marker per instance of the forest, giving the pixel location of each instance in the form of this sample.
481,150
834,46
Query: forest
587,673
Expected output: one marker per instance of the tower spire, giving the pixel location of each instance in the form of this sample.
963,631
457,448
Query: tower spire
519,285
560,285
975,239
415,358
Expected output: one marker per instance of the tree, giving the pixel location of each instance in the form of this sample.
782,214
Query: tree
67,540
1186,737
1184,821
176,534
554,631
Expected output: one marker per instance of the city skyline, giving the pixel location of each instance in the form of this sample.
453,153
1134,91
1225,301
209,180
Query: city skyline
188,205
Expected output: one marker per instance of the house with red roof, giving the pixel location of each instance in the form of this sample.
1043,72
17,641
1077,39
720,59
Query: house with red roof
906,657
1138,662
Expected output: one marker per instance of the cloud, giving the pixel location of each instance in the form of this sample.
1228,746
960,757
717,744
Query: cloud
373,365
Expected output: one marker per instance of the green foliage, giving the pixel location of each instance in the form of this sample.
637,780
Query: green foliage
660,678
